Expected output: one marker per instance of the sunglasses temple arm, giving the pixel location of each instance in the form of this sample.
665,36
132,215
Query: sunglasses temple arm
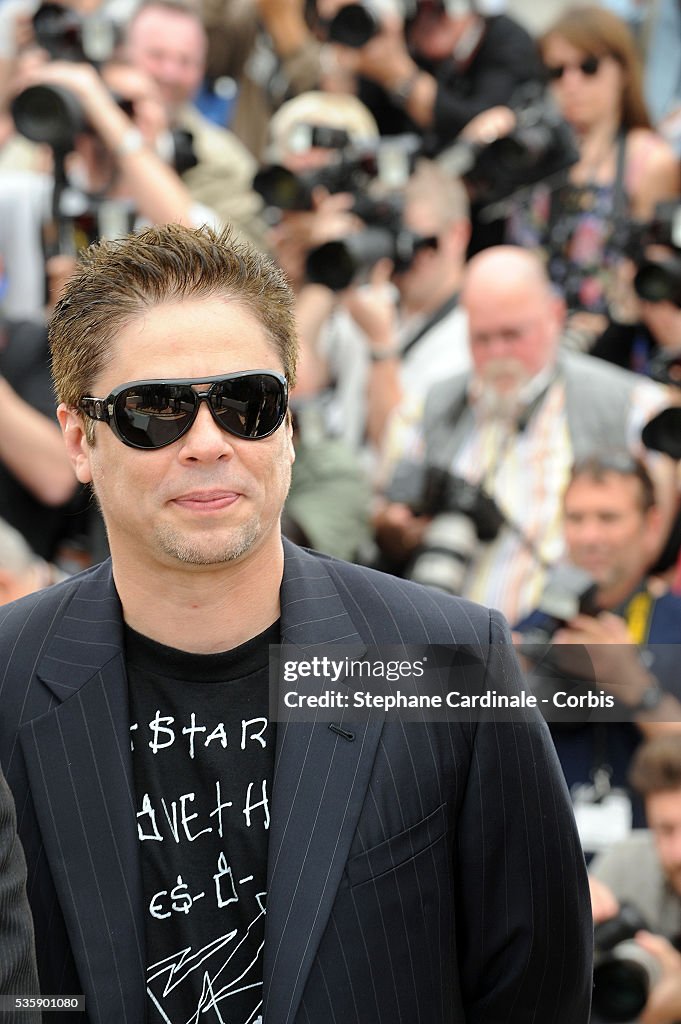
95,408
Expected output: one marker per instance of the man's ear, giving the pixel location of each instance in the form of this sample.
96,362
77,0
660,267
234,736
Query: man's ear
288,427
71,423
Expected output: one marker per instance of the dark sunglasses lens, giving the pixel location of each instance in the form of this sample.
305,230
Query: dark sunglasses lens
153,415
589,66
250,406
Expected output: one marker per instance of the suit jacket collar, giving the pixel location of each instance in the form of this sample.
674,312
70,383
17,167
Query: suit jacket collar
319,786
87,634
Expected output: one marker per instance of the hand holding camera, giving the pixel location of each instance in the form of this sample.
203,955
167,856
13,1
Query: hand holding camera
381,56
600,648
637,975
664,1002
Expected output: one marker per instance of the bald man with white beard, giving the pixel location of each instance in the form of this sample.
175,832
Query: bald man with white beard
514,425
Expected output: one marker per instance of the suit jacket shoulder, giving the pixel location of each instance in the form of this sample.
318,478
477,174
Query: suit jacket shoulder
387,609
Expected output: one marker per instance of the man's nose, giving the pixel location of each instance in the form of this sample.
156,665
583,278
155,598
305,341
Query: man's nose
498,347
205,441
588,532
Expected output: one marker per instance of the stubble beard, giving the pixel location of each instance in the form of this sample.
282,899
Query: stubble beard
190,551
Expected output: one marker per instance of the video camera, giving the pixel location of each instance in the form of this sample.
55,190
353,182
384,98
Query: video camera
624,972
463,516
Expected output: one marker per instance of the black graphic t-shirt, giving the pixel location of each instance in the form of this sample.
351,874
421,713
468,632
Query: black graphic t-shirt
203,760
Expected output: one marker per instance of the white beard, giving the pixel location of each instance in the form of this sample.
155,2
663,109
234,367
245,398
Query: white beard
500,389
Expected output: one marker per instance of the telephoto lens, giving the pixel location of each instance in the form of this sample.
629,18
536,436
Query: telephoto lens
354,25
624,972
659,280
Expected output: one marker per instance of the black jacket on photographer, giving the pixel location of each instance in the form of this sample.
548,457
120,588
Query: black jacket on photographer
506,58
631,346
502,64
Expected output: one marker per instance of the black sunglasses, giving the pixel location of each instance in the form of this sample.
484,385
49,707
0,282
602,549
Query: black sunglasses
589,66
151,414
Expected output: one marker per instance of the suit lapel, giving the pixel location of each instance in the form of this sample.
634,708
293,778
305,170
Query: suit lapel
319,786
79,765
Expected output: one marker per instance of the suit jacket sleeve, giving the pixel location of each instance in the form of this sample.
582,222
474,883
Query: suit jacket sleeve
18,973
525,932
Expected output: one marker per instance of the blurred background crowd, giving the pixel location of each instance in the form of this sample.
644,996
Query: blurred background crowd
478,207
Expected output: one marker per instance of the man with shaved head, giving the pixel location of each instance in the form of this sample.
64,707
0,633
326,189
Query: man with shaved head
512,426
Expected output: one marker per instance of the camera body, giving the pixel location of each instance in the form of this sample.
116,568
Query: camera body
338,263
657,279
568,591
624,973
354,167
541,145
374,174
286,190
353,25
464,516
67,35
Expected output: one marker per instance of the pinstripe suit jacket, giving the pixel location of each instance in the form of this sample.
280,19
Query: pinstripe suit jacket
18,975
418,873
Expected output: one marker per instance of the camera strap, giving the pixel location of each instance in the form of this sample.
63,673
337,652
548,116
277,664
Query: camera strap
431,322
638,614
446,430
620,220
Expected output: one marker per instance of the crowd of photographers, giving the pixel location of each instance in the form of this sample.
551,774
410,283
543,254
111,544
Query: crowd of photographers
483,232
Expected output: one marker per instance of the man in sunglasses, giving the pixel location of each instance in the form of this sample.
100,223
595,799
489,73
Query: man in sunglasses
193,848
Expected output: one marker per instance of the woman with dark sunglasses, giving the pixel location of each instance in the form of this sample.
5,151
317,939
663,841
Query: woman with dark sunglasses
624,167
